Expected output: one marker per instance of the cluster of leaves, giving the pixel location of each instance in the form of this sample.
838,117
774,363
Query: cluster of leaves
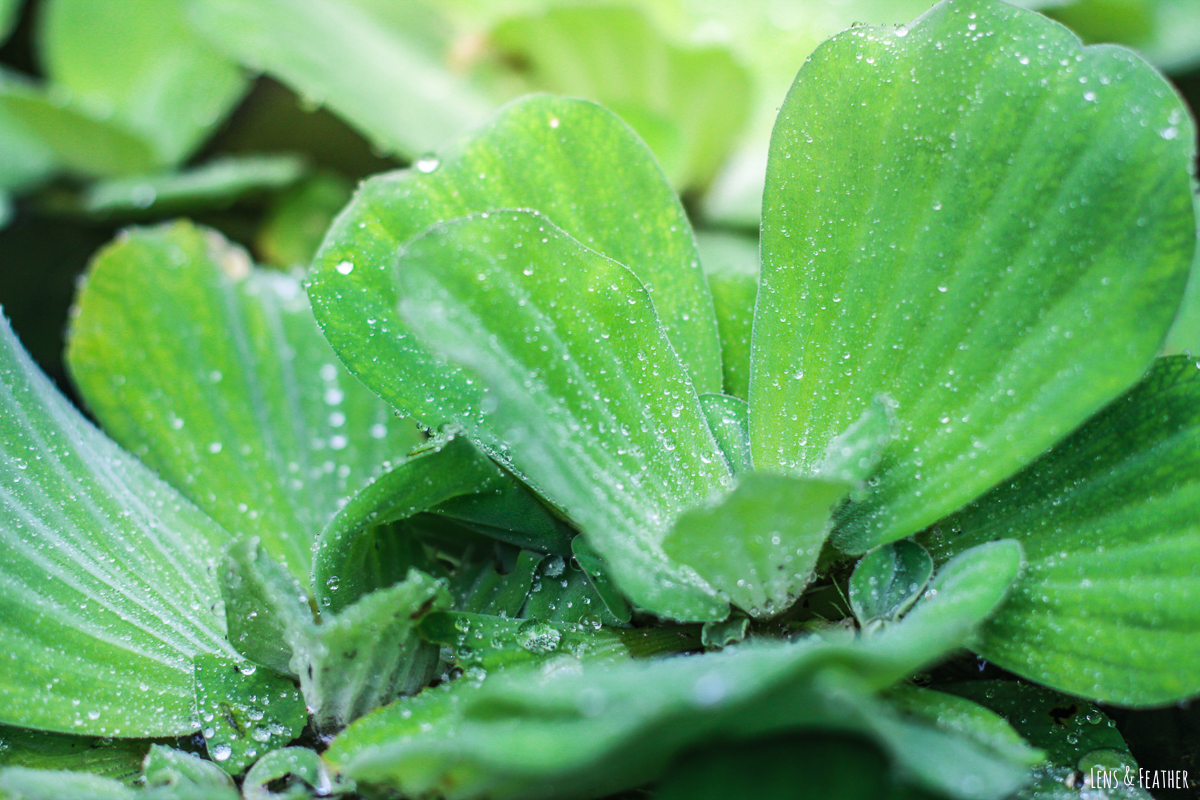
652,525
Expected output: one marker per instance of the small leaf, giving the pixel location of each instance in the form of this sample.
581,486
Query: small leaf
597,572
388,80
716,635
108,575
1003,236
562,592
214,373
759,544
854,453
245,710
262,603
165,766
1109,607
294,764
213,184
888,581
731,265
478,588
298,218
575,387
574,162
141,63
729,420
959,715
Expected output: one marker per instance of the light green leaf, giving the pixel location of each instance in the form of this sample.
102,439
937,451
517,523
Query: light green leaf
586,729
25,159
758,545
731,264
245,710
36,784
78,140
1109,607
165,766
854,454
1004,231
214,373
139,63
573,384
215,183
262,603
107,575
1074,734
120,759
729,420
1166,32
368,653
294,764
372,70
888,580
687,104
571,160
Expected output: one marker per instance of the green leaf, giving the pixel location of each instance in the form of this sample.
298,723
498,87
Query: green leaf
78,141
165,766
589,729
36,784
1109,607
562,592
729,419
1003,235
294,764
759,544
687,104
215,183
367,654
139,63
1074,734
10,11
854,454
298,218
573,384
26,160
214,373
888,580
120,759
731,264
107,575
263,602
571,160
246,710
377,74
1165,32
597,571
478,588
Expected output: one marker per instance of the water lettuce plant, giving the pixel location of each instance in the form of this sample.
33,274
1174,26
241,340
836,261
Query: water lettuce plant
600,560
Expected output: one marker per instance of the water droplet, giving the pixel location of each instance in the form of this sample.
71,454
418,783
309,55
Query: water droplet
215,448
221,752
428,163
538,637
345,267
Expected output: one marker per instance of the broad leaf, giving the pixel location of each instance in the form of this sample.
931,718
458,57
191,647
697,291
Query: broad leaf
986,235
956,714
687,104
245,710
165,766
215,374
378,74
216,183
107,576
139,63
758,545
573,161
79,141
586,731
568,378
120,759
1109,607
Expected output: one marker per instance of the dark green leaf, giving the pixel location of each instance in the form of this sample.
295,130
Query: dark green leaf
959,715
120,759
294,764
597,571
246,711
1109,607
758,545
571,160
562,592
215,374
298,218
478,588
568,378
108,575
888,580
139,63
581,730
1002,237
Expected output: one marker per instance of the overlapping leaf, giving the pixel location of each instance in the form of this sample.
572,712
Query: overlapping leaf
107,575
1109,607
984,236
584,396
214,373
